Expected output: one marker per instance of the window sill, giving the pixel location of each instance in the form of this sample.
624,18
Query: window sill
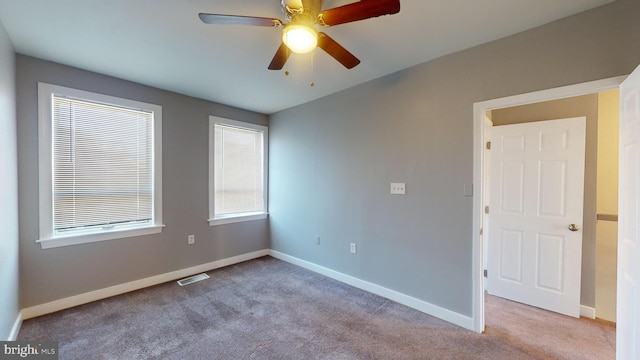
230,219
76,239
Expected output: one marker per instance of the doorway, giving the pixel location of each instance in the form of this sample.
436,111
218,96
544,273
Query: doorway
482,124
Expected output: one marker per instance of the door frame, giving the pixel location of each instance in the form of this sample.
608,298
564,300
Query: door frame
481,127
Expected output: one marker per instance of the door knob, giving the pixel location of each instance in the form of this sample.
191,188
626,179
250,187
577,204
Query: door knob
574,227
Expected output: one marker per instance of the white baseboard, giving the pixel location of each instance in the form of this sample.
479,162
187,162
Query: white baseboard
13,335
420,305
100,294
587,312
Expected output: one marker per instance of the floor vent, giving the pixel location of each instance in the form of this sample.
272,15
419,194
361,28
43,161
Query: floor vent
192,279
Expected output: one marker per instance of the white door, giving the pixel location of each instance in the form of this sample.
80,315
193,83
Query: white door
628,318
537,181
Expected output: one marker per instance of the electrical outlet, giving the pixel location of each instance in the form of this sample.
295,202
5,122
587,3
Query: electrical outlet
398,188
353,248
317,239
191,239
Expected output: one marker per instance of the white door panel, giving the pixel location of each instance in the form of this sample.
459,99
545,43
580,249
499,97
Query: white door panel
552,182
511,253
537,172
550,262
628,317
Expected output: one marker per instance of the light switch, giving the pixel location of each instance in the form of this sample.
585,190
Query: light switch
468,190
397,188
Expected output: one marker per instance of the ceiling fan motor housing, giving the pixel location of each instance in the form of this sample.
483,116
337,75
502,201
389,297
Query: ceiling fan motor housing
293,8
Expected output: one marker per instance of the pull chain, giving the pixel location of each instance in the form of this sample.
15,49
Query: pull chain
300,72
313,68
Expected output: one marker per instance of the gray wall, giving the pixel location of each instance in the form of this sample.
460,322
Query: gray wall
587,106
8,189
332,159
51,274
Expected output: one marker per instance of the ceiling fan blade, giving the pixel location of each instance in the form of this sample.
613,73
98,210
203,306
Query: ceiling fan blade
360,10
280,58
336,51
220,19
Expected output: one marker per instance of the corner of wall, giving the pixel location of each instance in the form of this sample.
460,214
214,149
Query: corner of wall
9,302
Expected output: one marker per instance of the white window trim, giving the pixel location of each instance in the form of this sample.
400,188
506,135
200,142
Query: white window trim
241,217
47,238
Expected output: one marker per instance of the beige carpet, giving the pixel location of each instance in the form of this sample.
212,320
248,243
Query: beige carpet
269,309
556,336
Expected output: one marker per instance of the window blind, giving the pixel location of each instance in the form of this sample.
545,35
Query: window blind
238,170
102,165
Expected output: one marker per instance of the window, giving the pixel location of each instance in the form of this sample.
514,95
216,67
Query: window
99,167
237,171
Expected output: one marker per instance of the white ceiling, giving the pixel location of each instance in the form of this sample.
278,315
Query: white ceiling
162,43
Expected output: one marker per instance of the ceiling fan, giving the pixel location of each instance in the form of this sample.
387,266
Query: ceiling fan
299,34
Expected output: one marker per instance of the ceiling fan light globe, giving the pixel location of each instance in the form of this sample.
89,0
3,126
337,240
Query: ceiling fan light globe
300,39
